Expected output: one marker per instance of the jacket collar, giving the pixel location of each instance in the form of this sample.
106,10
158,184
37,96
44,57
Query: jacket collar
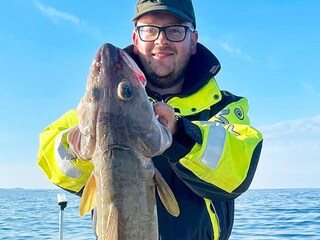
202,66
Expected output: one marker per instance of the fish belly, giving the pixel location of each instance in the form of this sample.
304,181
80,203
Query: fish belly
126,205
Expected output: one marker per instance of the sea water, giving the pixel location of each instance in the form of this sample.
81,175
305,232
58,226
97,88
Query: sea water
278,214
260,214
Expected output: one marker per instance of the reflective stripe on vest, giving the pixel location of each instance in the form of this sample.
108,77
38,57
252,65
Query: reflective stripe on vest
63,158
213,152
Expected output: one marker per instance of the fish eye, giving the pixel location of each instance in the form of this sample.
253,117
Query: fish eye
125,90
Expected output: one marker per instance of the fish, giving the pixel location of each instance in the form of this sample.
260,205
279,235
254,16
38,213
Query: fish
120,133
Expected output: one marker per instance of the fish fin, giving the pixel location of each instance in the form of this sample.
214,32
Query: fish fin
166,195
112,224
88,200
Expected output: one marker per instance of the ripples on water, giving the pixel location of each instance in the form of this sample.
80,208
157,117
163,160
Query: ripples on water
260,215
278,214
34,214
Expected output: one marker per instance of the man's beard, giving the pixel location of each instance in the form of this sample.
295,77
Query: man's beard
164,82
168,80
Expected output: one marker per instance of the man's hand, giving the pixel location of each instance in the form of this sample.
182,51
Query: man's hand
165,115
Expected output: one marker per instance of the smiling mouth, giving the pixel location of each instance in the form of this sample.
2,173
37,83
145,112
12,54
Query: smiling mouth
161,55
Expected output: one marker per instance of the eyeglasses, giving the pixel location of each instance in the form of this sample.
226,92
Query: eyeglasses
174,33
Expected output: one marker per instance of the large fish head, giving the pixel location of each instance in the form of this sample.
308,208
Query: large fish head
116,110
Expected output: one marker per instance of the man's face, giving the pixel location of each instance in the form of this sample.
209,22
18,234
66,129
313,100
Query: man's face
164,61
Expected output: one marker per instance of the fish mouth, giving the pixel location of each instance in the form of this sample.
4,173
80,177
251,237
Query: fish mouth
113,147
132,64
110,149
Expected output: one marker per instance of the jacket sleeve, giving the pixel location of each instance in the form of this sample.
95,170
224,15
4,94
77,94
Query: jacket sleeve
217,158
56,161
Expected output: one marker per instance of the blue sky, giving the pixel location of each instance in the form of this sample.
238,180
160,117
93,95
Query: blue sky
269,52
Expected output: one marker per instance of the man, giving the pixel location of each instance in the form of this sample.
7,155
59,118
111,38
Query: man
215,151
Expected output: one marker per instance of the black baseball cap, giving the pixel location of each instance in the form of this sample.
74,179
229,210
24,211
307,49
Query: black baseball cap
183,9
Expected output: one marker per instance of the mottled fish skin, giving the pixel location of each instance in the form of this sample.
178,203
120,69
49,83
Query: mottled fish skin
120,134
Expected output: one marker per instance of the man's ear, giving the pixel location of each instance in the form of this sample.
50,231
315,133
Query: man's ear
135,39
194,41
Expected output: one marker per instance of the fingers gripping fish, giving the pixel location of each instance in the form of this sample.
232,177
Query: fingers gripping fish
119,134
